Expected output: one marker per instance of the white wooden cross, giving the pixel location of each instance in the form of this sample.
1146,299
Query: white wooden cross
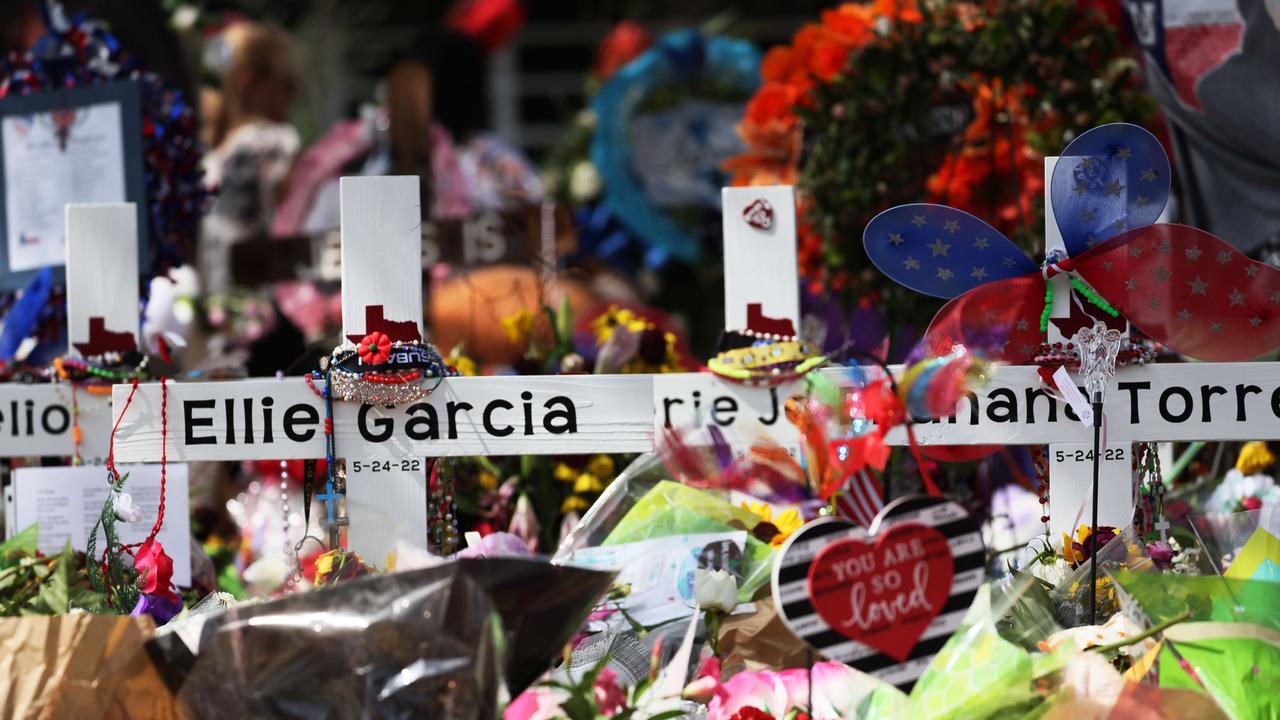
102,316
280,419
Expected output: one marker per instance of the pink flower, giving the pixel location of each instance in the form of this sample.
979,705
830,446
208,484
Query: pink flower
838,690
536,703
524,523
706,681
796,682
609,697
762,690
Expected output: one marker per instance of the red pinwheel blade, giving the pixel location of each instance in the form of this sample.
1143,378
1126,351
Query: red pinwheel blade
999,319
1189,290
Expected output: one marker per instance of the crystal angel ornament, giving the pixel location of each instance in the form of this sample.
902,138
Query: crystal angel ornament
1099,347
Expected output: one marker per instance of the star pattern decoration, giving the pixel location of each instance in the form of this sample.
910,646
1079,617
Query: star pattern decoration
937,247
1193,253
1130,284
1150,175
1184,314
1088,163
1009,262
1165,247
1236,297
1123,153
1198,286
1080,188
1161,273
1275,297
1114,188
951,226
896,239
1154,304
1108,265
911,263
1215,327
979,273
1255,321
1224,257
1135,251
919,220
1022,324
981,243
945,274
1251,270
1091,241
1142,201
1088,216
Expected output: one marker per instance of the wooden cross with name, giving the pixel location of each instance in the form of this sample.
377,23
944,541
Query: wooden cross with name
386,490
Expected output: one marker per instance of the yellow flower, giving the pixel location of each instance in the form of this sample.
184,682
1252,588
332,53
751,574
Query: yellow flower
564,473
324,565
601,466
518,326
487,480
463,364
587,483
786,522
1254,458
605,322
573,503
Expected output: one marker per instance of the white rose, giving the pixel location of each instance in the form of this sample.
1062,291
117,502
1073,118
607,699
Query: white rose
585,182
126,510
715,590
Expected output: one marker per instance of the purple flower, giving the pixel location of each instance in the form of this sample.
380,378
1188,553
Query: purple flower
161,609
1160,553
499,544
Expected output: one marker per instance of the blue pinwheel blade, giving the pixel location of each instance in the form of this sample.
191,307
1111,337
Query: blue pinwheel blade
941,251
1110,179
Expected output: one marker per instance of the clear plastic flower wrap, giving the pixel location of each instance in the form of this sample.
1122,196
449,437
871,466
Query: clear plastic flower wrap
450,641
642,504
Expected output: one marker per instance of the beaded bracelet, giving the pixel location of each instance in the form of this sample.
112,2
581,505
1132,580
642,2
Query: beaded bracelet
1088,293
383,373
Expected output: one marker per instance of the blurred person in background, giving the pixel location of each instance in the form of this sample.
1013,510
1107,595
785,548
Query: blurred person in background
252,145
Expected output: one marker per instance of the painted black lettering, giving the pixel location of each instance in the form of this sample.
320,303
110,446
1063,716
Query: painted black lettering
452,407
723,404
487,419
1242,392
300,415
384,426
567,413
1005,402
422,428
190,422
1206,399
1187,405
1132,388
48,426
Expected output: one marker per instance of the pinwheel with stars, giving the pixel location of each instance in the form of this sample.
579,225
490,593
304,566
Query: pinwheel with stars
1180,286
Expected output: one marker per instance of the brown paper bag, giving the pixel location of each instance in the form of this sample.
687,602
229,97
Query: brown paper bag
760,641
80,666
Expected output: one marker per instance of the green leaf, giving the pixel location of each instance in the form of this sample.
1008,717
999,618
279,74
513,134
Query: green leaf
23,542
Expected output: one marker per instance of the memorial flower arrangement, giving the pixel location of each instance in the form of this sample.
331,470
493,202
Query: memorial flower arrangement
899,101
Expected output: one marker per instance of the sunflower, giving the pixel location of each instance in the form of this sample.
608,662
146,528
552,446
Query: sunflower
777,527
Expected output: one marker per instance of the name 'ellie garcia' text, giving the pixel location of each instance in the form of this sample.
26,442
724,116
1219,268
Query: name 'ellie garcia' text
242,418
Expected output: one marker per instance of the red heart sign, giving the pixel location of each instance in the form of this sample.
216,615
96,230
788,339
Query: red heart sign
884,594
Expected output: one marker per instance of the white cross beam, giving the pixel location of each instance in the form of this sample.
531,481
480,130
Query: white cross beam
283,419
